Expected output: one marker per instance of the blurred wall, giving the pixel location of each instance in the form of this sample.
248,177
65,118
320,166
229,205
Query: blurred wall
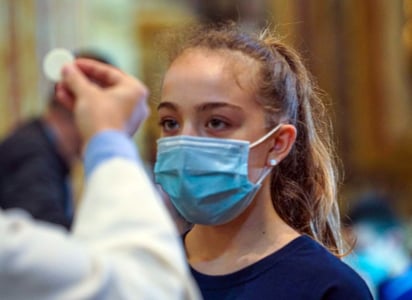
31,28
359,52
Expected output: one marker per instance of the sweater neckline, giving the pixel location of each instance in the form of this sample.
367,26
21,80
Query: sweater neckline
253,270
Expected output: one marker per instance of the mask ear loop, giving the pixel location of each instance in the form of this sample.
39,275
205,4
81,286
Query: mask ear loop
272,162
265,173
263,138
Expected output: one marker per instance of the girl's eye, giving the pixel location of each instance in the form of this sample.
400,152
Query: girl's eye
169,125
217,124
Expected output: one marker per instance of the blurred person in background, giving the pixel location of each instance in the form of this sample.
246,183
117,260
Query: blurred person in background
36,160
379,254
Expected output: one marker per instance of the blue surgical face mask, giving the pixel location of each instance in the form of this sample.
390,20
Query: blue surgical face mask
207,178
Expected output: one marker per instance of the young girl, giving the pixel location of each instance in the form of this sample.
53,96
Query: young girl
245,157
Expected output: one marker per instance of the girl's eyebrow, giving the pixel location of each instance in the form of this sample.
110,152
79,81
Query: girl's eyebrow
200,107
214,105
168,105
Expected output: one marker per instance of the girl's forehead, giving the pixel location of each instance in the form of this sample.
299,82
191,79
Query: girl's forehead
233,64
202,78
227,57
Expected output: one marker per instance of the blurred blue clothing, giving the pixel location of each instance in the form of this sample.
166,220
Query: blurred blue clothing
397,288
123,245
379,255
105,145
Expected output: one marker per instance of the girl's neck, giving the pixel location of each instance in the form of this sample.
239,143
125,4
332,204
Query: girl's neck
256,233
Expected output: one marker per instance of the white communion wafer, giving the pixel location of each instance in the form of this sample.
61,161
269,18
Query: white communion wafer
54,61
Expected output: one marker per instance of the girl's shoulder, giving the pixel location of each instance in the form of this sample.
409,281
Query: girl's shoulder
311,262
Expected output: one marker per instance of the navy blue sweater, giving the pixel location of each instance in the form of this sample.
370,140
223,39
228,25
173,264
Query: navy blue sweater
303,269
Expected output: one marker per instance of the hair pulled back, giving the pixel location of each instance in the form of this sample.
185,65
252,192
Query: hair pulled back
304,184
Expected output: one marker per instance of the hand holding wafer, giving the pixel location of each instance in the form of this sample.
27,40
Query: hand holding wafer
101,96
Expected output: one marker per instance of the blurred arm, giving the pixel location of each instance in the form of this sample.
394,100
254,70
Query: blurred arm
124,244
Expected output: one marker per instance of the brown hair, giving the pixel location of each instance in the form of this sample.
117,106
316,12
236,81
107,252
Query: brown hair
303,186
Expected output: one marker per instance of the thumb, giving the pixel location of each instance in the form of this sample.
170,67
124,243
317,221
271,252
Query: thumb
74,79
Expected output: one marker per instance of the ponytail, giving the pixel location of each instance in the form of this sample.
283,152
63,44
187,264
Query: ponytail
304,186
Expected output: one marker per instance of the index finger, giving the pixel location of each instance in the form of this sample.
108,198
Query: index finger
103,74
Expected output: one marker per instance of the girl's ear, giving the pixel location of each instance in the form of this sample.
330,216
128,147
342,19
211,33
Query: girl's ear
283,141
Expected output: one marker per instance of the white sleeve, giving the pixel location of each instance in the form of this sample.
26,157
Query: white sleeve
124,246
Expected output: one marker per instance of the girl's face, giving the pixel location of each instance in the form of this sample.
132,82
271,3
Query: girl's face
210,93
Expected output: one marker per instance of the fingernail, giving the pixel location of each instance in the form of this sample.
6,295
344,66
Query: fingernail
67,69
